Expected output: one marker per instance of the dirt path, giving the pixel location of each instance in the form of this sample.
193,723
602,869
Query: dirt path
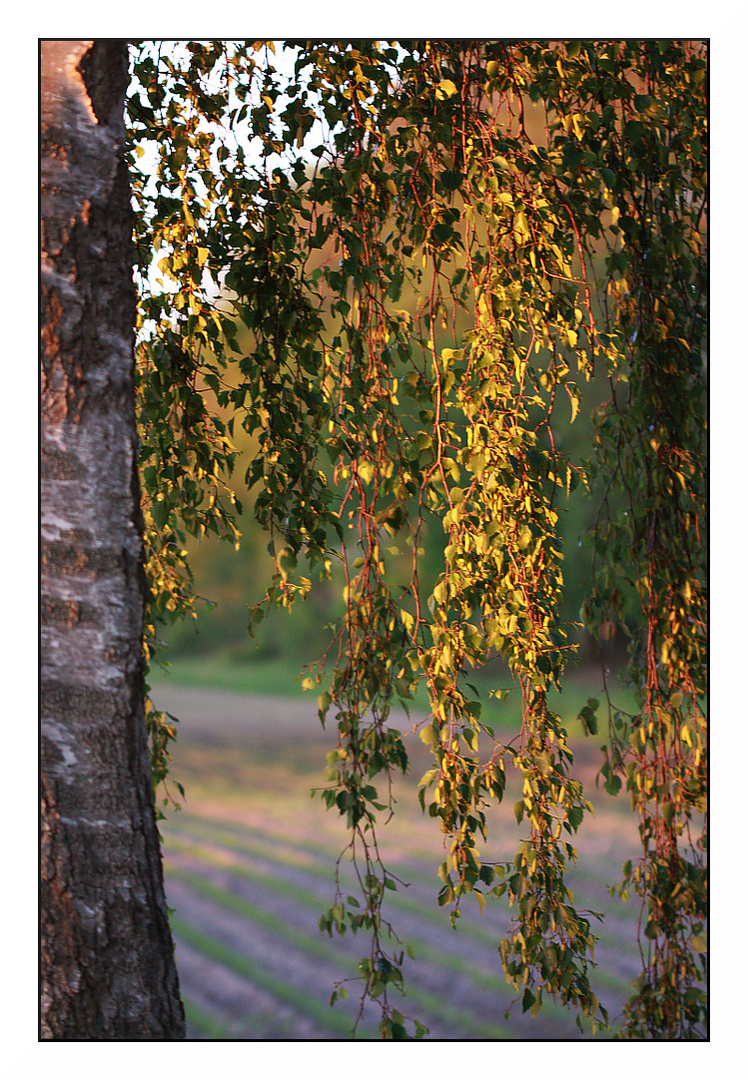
230,716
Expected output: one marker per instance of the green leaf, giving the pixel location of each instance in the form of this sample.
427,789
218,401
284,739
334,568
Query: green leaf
160,512
487,874
589,720
451,180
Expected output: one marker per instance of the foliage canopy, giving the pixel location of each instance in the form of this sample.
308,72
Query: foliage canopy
546,203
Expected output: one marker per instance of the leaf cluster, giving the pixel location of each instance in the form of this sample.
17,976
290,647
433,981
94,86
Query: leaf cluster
543,207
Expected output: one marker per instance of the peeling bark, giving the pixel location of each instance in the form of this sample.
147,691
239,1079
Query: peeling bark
108,969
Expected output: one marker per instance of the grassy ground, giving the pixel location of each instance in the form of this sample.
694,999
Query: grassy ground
218,671
283,677
250,860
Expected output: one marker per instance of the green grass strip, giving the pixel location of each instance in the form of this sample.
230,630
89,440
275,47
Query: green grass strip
224,674
425,1000
250,911
255,973
443,959
207,828
268,850
203,1022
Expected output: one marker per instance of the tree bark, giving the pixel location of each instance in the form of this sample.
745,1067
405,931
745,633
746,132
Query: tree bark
107,957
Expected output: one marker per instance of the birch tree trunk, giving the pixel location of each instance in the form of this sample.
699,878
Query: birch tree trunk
108,969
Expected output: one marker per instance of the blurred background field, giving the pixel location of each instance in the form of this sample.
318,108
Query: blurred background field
250,862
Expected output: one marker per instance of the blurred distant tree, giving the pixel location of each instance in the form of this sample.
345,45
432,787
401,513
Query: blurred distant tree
107,959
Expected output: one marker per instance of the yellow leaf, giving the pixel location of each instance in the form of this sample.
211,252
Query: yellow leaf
521,229
428,735
446,89
366,471
573,398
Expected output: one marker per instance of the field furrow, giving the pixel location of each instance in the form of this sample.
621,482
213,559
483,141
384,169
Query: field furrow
250,866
